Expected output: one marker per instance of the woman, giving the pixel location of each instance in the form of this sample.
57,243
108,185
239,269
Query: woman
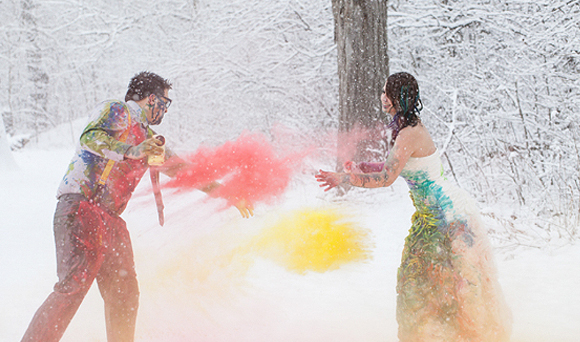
446,284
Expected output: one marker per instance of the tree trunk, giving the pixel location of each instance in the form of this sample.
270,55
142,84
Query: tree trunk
361,39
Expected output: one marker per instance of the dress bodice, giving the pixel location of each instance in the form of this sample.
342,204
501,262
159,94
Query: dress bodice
432,194
420,172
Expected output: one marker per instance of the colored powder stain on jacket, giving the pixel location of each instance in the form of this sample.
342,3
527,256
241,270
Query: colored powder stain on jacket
99,143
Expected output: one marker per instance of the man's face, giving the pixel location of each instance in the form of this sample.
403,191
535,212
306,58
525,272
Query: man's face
158,107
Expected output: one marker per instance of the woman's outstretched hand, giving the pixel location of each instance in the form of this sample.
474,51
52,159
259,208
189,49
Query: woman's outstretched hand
330,179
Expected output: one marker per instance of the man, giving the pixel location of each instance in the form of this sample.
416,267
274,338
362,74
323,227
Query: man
92,240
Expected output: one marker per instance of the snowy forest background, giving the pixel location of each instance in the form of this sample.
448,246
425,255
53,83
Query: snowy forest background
499,81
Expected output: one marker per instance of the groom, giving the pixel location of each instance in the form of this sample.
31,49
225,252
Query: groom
92,240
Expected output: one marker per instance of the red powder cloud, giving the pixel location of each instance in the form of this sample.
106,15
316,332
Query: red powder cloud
248,167
258,168
371,136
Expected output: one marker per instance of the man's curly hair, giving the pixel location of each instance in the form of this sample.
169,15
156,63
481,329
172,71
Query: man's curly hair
144,84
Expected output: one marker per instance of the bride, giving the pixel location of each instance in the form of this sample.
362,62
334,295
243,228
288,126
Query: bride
447,288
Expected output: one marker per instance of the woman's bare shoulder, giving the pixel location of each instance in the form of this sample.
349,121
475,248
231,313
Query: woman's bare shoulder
418,140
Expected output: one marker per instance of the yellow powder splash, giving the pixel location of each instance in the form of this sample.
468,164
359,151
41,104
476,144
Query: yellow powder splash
313,240
215,265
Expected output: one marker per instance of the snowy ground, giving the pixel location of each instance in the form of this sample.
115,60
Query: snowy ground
198,283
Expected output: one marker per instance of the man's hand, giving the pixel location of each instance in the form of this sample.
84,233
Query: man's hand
245,207
149,147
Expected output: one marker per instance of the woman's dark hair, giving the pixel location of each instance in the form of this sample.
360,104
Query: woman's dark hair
144,84
403,91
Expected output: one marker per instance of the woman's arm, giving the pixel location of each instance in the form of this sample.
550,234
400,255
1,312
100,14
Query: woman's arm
363,167
393,166
367,167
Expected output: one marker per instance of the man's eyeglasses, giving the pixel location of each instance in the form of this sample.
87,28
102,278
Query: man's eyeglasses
166,101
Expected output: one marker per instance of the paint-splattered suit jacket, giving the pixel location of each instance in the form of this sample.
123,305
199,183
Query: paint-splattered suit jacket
101,142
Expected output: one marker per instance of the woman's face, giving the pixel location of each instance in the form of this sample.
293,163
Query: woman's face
386,103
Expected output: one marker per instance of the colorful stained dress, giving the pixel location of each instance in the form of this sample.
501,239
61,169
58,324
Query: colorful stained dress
447,289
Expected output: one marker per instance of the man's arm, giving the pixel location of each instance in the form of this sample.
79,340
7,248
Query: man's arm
175,164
